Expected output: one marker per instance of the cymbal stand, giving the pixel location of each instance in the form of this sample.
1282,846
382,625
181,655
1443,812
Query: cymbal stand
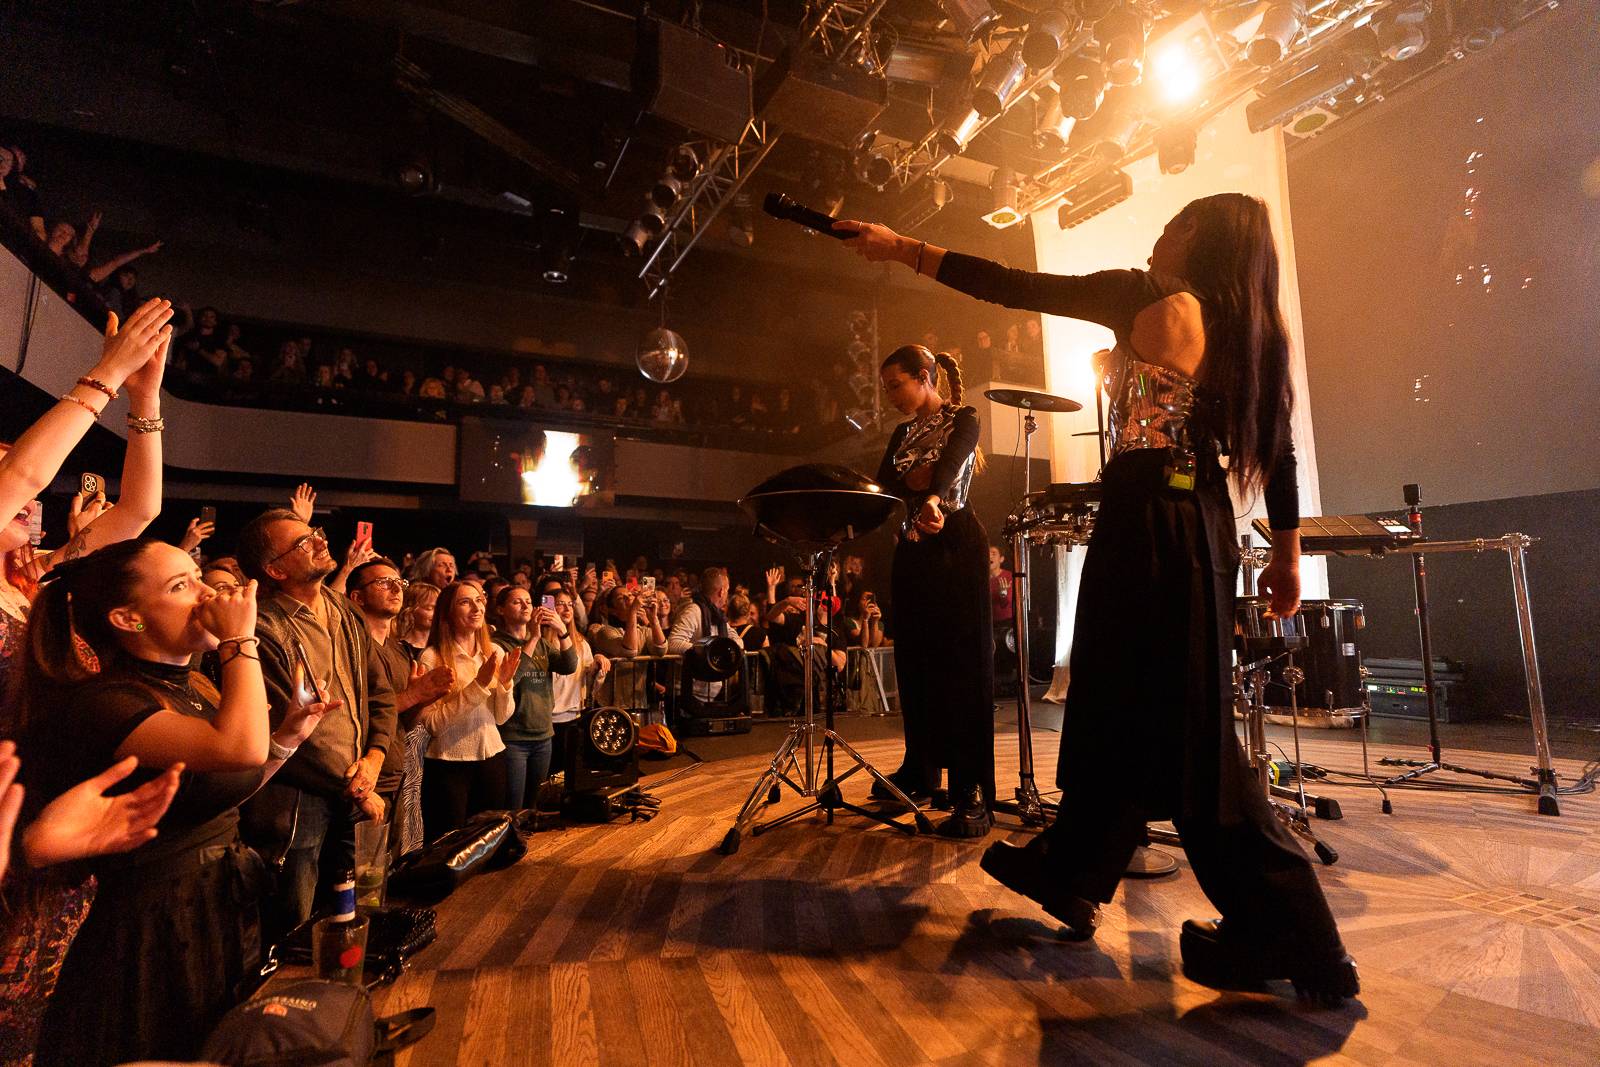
1294,815
1027,806
813,779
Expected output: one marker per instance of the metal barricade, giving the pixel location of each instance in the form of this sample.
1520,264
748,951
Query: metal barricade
870,684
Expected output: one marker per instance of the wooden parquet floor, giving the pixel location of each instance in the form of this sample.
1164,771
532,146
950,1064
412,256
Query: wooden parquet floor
1476,924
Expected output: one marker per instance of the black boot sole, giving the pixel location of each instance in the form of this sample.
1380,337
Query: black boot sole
1208,961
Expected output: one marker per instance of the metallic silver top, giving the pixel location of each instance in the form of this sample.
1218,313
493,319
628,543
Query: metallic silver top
1150,404
924,443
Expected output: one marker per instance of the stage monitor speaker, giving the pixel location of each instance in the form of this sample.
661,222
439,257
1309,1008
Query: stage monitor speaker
691,80
812,97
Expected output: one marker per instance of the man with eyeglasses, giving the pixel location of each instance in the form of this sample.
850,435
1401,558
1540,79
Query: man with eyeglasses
304,820
378,591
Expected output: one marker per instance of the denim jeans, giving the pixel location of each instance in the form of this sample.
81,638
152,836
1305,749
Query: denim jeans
527,766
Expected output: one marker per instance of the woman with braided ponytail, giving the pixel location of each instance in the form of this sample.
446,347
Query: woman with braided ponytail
940,588
1200,371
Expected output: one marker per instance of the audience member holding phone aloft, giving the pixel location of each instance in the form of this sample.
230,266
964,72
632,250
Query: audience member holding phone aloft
547,650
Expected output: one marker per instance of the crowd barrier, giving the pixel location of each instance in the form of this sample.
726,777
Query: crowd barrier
651,687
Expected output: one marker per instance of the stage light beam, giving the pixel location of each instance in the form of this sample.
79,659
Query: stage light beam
1178,75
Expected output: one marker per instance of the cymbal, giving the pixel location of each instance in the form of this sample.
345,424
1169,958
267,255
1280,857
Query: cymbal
1033,401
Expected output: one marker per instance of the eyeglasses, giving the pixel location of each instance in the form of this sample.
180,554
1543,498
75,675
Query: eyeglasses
394,585
316,534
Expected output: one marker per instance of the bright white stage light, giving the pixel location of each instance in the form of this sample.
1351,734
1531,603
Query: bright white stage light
1178,74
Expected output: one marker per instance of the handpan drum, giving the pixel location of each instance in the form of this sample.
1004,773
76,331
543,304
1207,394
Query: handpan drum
819,506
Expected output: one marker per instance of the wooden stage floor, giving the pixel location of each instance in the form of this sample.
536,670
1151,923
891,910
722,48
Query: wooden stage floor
1475,922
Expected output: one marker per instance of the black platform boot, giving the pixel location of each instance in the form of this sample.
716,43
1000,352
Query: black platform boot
971,816
1212,959
1023,871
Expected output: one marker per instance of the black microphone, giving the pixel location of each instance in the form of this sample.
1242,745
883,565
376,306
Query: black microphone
783,206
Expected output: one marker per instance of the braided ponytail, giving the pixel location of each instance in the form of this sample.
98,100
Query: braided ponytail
952,373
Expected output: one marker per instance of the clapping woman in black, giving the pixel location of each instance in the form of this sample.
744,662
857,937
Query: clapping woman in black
943,650
1200,372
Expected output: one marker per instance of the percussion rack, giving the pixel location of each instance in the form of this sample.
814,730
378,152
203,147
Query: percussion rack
1317,539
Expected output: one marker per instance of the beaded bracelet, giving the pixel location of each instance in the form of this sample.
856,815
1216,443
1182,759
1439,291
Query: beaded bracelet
139,424
96,383
84,404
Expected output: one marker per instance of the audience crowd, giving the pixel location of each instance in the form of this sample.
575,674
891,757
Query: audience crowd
199,734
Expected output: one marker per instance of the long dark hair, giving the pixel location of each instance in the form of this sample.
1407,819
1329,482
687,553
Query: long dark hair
70,639
919,359
1233,266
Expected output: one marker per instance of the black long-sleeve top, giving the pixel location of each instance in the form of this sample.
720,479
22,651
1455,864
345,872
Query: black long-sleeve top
958,446
1112,298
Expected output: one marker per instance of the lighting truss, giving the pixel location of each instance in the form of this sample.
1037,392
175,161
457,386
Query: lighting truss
833,28
728,167
1326,19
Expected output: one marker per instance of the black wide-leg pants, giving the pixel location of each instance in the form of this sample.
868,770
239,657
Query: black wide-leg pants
944,654
1148,732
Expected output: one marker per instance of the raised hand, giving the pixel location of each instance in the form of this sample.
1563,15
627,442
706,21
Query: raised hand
486,671
231,614
129,346
144,383
303,502
774,577
427,686
198,531
508,668
543,616
81,512
359,552
84,822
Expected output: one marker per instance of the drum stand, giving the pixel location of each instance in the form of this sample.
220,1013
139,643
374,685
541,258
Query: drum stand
1295,813
815,778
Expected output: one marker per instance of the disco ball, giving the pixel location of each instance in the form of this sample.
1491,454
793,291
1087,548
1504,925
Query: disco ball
663,356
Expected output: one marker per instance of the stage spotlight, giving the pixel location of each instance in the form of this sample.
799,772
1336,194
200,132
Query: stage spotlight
654,220
1107,134
1175,147
414,175
684,164
635,238
1178,74
998,84
871,166
1321,83
1083,86
1121,35
666,191
922,202
1280,25
1402,31
1006,191
1050,127
1093,195
555,245
1481,23
969,19
1046,36
958,130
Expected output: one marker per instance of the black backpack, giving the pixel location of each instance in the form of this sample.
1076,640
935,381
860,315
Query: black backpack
311,1023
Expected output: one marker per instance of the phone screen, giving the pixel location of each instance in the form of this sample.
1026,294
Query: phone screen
308,677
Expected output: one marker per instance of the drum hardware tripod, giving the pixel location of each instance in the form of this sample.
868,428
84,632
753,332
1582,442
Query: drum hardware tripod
1544,784
1029,807
786,768
1292,808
